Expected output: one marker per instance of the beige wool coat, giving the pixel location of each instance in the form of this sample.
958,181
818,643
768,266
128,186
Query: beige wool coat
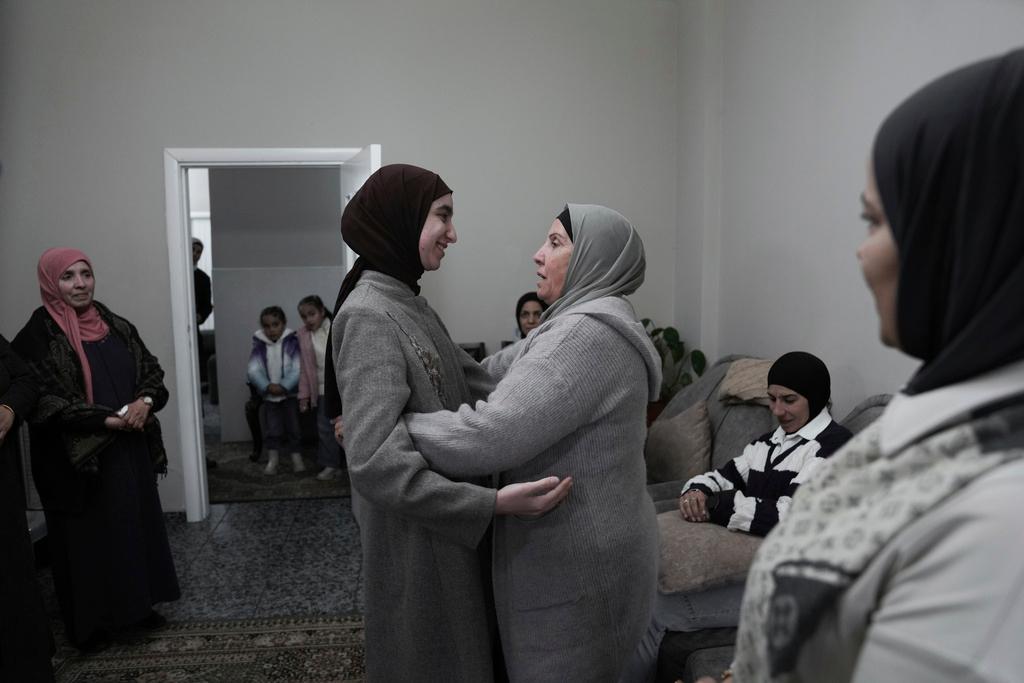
426,613
574,588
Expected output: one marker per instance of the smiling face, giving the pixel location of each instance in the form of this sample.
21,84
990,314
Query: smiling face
273,327
552,261
529,316
437,233
77,285
879,261
790,408
312,316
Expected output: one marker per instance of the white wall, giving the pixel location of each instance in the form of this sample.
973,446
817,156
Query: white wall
276,217
520,106
804,86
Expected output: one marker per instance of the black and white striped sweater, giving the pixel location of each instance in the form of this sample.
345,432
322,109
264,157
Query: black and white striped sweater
753,491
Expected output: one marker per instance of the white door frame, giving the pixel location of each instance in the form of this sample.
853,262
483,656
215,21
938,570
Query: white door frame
179,249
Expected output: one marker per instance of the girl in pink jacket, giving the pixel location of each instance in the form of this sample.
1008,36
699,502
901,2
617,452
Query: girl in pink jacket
312,349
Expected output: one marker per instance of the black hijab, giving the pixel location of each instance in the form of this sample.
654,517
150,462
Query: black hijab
805,374
382,224
566,220
523,300
949,163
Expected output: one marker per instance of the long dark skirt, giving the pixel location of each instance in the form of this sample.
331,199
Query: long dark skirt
25,641
112,561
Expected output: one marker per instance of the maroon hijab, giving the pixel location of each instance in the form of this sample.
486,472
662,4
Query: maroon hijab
382,224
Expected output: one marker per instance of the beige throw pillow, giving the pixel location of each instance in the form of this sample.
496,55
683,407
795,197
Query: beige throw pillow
679,447
746,381
697,556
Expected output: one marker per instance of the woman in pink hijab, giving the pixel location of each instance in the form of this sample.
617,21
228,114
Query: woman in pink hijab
96,453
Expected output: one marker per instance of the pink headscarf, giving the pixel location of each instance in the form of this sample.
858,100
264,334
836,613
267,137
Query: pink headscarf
78,327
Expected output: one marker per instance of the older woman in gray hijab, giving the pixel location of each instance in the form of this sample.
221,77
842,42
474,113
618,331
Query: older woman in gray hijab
573,588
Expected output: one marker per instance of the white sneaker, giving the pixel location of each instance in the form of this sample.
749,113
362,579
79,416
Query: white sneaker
328,474
297,463
271,468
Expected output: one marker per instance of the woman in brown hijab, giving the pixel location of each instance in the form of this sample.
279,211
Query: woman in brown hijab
425,538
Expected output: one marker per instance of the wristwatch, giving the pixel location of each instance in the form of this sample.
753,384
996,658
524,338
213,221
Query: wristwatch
148,400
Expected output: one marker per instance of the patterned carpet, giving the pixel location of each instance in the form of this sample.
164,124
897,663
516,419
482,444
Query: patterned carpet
308,649
237,479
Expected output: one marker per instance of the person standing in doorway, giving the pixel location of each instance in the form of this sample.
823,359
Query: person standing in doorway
273,370
204,307
201,283
316,327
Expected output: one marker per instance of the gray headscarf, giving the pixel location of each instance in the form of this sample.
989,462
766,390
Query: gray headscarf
607,258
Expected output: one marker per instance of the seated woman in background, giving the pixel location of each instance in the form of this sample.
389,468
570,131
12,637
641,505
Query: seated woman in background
750,494
755,489
96,453
901,559
529,309
573,589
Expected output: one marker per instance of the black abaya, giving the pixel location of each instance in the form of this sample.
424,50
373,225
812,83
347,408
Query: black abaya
112,561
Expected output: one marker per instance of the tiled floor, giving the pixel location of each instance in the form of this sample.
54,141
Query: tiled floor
265,559
277,558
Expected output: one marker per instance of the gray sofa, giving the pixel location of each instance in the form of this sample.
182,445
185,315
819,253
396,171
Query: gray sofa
688,656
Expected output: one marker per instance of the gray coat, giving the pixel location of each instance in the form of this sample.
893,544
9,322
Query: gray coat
426,614
573,589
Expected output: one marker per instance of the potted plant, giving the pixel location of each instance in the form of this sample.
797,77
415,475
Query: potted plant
679,366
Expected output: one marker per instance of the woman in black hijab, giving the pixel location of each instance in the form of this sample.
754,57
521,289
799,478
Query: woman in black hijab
425,538
902,559
529,308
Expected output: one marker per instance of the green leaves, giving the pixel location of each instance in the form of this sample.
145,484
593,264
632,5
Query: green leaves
699,361
675,360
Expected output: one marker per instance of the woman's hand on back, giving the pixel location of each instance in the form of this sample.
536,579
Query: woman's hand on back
532,498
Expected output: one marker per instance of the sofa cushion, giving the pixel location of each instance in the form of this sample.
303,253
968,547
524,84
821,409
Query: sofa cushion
866,412
733,426
696,556
746,381
679,447
736,426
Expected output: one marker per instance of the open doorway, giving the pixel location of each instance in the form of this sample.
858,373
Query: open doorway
273,239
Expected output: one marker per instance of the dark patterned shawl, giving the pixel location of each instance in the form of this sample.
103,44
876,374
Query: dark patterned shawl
62,404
